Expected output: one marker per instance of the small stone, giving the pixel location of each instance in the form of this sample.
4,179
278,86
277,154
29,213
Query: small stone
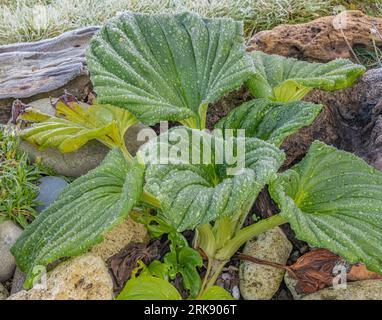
119,237
258,282
9,233
291,284
3,292
50,189
82,278
359,290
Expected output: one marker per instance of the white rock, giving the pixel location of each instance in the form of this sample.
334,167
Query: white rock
119,237
258,282
359,290
9,233
82,278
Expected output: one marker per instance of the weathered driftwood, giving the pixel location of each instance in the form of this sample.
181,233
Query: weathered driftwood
35,70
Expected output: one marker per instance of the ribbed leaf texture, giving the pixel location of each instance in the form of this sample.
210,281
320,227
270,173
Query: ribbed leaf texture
192,194
76,221
270,121
167,67
333,200
287,79
75,124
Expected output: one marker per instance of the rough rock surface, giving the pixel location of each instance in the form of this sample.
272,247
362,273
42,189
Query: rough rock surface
9,233
73,164
359,290
3,292
323,39
259,282
351,121
30,71
118,238
82,278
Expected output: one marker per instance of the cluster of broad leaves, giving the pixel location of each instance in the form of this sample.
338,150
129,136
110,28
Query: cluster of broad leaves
153,280
195,187
170,67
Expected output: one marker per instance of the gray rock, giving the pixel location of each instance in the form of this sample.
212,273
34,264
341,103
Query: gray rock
291,283
3,292
9,233
50,189
73,164
35,70
258,282
359,290
18,281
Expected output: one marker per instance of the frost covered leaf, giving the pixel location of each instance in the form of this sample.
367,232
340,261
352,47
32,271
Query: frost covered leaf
287,79
196,189
167,67
333,200
75,124
270,121
76,221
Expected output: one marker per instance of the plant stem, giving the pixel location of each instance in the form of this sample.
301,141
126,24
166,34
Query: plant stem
248,233
216,269
126,153
150,199
208,270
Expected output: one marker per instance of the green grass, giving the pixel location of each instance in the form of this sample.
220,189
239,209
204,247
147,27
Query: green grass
30,20
18,179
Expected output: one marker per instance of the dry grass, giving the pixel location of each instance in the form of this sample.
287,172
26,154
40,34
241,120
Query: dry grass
30,20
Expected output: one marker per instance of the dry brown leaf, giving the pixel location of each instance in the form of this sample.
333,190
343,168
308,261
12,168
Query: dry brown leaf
360,272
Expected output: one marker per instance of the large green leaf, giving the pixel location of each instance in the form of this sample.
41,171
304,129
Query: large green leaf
332,199
192,194
287,79
74,124
89,207
270,121
167,67
149,288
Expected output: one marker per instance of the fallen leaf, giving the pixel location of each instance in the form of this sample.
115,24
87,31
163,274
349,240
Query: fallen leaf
314,270
123,263
360,272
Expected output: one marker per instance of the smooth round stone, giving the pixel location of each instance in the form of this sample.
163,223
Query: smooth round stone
50,189
9,233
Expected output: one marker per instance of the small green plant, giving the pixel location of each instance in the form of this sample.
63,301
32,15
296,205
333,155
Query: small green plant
18,180
171,67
